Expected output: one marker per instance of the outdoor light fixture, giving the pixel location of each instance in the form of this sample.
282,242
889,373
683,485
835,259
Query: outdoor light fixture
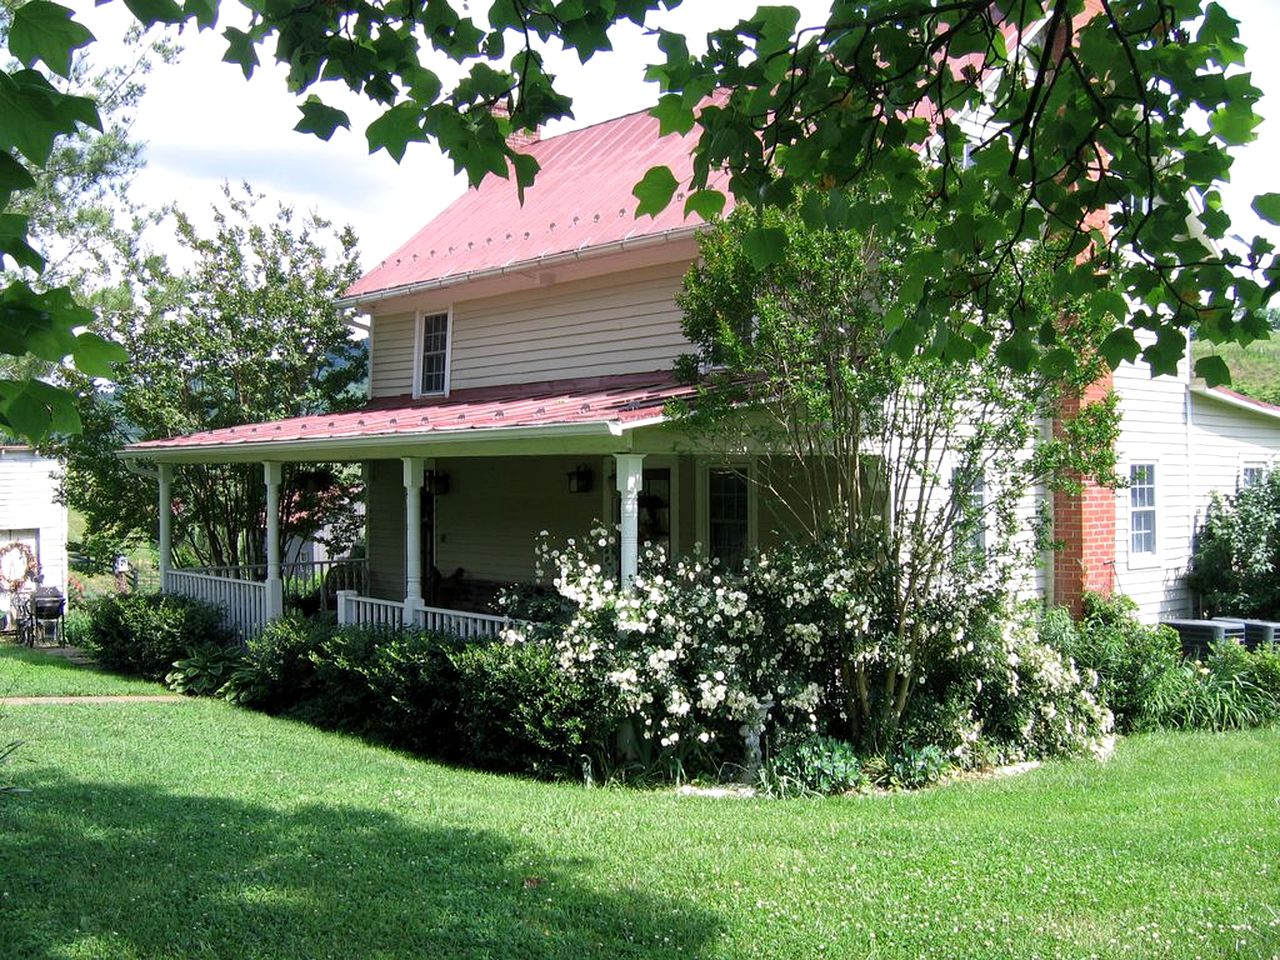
437,483
580,479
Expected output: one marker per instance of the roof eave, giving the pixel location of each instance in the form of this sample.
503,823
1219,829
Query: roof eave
1240,403
358,446
521,266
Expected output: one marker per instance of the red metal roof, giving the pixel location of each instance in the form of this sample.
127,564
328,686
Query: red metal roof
581,198
623,399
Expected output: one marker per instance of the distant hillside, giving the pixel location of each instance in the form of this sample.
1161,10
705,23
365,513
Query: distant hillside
1255,369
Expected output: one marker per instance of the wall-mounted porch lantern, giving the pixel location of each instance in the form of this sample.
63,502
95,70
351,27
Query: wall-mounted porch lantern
437,483
580,479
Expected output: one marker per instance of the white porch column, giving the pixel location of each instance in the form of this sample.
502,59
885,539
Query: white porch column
630,473
413,475
275,585
166,523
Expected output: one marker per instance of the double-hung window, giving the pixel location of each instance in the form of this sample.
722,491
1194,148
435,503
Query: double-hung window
433,360
1142,509
971,500
728,515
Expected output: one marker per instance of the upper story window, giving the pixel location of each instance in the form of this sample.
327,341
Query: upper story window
728,515
1142,508
433,355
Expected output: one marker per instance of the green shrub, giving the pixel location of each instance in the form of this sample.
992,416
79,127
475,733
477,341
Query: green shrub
76,626
1130,658
205,670
1235,569
521,710
144,634
278,671
916,767
1230,691
815,765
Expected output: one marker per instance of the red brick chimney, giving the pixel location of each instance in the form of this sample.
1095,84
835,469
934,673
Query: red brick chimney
1084,524
519,137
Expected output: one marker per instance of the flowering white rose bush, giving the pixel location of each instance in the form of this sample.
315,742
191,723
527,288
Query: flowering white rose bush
711,665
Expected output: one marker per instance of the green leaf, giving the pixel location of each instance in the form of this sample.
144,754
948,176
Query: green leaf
1106,303
240,50
204,11
707,204
673,116
1213,369
149,12
13,176
1233,123
13,241
765,245
526,168
46,31
1267,206
394,130
94,355
320,118
654,191
1120,345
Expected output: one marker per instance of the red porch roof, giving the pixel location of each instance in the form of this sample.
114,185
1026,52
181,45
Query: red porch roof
620,400
581,199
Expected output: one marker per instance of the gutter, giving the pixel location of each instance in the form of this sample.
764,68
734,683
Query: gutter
521,266
595,428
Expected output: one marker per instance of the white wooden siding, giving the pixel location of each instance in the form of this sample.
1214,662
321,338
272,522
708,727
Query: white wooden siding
392,354
1153,429
385,529
28,511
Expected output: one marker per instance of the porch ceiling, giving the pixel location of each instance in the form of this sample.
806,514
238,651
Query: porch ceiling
565,416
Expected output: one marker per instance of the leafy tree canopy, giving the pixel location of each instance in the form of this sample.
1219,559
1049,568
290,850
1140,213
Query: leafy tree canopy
248,332
1017,127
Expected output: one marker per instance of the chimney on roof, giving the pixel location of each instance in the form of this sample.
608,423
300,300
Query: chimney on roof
519,137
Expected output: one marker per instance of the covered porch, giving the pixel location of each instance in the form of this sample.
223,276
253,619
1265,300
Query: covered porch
457,492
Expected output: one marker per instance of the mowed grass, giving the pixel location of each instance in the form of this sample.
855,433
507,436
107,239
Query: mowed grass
198,830
25,672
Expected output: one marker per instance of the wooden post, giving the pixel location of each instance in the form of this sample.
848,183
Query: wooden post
414,469
630,475
275,584
166,524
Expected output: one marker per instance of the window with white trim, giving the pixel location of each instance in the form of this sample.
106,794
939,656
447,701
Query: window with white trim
433,376
728,515
971,498
1251,474
1142,508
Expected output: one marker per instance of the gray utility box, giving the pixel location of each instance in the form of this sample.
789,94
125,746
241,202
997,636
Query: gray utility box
1257,633
1198,635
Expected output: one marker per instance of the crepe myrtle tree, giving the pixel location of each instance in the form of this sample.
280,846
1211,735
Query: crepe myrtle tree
247,332
1019,121
922,465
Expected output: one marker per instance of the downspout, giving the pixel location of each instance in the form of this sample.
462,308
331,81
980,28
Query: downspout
1191,471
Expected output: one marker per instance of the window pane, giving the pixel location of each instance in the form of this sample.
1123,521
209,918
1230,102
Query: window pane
1252,475
1142,508
727,516
435,343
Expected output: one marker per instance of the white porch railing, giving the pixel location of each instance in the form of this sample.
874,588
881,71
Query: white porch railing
302,579
243,602
368,612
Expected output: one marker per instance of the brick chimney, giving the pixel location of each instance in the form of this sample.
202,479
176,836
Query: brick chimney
1084,524
519,137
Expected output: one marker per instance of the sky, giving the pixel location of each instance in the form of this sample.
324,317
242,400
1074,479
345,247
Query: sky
203,124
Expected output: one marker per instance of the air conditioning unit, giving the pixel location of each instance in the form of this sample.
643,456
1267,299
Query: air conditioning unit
1199,635
1257,633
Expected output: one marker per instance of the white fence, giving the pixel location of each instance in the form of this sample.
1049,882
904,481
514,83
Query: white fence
243,602
314,580
368,612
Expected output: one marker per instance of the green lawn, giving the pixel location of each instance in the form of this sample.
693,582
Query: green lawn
33,673
198,830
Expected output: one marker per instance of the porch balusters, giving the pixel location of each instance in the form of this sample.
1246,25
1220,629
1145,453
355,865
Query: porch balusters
414,469
630,474
275,583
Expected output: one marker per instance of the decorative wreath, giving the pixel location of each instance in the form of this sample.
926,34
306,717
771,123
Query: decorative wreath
12,582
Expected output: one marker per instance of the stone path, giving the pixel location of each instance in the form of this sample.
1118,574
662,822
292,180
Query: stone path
118,698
